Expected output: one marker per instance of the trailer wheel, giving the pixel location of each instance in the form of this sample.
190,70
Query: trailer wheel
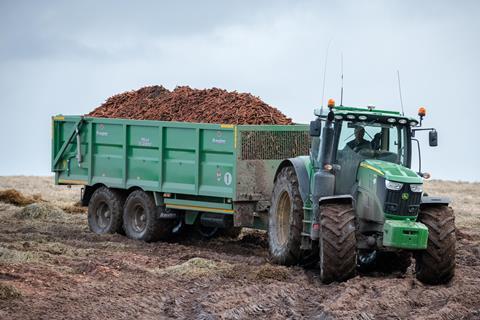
105,211
285,219
205,232
140,218
338,253
436,264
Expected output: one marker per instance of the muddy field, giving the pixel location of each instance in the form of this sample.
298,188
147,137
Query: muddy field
52,267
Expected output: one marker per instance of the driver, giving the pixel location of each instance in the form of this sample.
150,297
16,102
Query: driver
359,143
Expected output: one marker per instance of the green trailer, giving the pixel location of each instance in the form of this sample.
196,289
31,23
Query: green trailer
219,174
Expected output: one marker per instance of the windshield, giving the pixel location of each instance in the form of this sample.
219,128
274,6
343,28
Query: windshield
371,140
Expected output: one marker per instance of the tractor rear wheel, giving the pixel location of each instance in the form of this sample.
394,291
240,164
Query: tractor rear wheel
140,218
436,264
285,219
338,252
105,211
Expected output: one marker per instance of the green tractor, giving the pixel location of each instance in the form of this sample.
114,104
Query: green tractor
355,204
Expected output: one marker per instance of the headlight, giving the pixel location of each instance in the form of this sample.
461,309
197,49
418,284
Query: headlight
393,185
416,187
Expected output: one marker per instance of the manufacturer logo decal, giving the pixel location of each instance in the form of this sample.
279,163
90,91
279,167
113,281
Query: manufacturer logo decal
405,196
145,142
219,141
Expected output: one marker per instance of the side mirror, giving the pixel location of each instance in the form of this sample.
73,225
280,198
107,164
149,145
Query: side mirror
315,128
433,138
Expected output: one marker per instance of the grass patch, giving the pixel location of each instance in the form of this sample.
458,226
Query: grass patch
39,211
17,198
8,292
268,271
12,256
196,267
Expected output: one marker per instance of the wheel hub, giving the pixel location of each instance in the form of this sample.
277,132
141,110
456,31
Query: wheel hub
139,219
103,215
284,208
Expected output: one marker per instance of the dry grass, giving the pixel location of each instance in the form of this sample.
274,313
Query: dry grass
465,198
196,267
17,198
40,211
8,292
274,272
44,186
15,256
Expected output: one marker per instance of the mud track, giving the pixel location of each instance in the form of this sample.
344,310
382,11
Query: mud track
52,267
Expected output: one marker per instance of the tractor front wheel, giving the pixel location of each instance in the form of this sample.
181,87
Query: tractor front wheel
338,252
436,264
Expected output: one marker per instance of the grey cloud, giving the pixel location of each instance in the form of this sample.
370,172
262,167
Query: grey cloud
68,57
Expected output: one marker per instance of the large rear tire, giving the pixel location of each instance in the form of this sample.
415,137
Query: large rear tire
285,219
105,210
140,219
436,264
338,253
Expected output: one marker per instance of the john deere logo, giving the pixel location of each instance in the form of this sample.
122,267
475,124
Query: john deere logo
405,196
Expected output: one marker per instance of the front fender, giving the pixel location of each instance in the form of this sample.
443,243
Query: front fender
428,201
302,170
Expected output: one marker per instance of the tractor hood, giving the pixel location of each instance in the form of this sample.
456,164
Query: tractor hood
392,171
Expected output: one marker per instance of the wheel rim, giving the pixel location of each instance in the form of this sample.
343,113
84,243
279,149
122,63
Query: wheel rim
103,215
284,207
139,219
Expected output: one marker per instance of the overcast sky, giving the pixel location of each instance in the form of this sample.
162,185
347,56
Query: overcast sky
69,56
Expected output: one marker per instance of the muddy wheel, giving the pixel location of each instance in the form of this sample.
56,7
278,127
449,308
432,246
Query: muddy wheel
206,232
140,218
436,264
337,243
285,219
105,211
393,261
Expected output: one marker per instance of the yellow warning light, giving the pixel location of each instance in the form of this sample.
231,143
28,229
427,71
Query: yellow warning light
331,103
422,112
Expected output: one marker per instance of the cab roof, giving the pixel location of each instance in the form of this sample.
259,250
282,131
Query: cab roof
370,112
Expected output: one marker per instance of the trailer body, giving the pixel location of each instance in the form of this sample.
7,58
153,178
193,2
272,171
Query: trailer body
197,167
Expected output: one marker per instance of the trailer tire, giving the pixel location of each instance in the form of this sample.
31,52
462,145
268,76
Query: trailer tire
338,252
436,264
285,219
140,220
105,210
